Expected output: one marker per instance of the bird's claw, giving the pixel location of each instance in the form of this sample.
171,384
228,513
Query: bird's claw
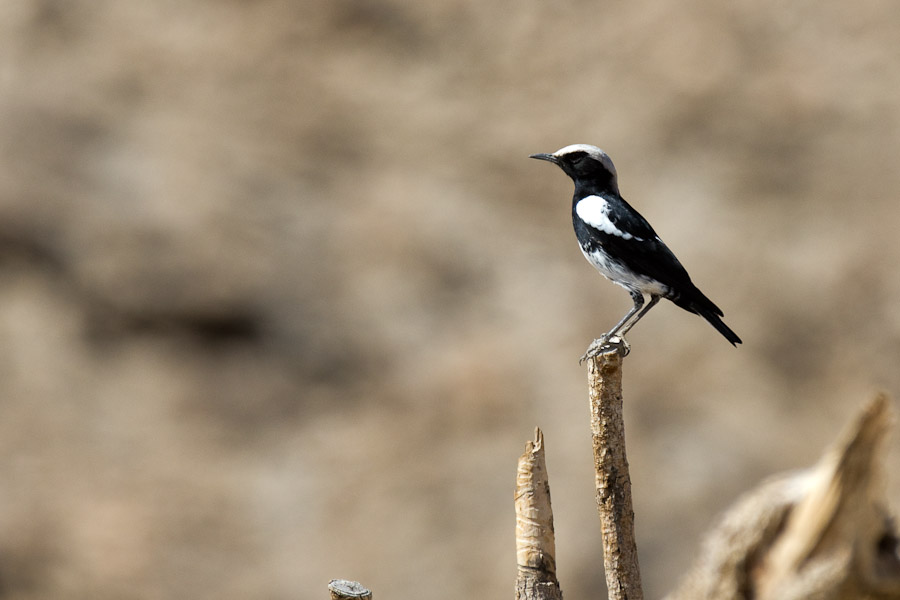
594,349
604,343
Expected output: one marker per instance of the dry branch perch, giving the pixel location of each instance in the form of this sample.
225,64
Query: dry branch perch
535,545
822,534
342,589
620,559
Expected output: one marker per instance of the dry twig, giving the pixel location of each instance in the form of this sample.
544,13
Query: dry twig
535,545
822,534
620,559
342,589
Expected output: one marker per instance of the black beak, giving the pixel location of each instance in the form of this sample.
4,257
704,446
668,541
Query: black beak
547,157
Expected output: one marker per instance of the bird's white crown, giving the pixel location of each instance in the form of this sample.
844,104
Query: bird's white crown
592,151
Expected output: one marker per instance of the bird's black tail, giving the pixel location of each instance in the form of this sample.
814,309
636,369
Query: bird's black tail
720,326
699,304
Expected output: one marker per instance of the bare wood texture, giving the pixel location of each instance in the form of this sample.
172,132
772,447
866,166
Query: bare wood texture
535,543
620,559
342,589
822,534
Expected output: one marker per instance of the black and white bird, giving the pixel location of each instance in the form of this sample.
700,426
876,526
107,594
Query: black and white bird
622,245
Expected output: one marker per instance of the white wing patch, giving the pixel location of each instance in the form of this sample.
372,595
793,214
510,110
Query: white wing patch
594,211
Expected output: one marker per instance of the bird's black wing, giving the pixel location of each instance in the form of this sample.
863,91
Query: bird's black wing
651,257
648,257
628,238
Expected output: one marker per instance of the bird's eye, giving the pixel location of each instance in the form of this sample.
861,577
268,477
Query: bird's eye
576,157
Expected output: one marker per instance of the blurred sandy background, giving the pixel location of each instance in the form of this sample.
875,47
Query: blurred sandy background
282,297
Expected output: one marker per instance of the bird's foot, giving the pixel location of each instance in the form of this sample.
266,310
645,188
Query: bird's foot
604,344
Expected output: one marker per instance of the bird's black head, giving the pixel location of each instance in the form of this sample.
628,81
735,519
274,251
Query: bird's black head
585,164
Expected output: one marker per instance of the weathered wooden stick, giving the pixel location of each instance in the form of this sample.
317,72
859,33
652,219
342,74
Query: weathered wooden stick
824,533
341,589
535,544
620,558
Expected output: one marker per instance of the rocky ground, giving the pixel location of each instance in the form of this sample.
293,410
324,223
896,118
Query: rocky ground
282,297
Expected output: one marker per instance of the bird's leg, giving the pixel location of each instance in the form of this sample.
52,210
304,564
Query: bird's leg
651,304
604,340
638,300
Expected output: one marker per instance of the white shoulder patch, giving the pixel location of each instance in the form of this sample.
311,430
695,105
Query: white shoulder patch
594,211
